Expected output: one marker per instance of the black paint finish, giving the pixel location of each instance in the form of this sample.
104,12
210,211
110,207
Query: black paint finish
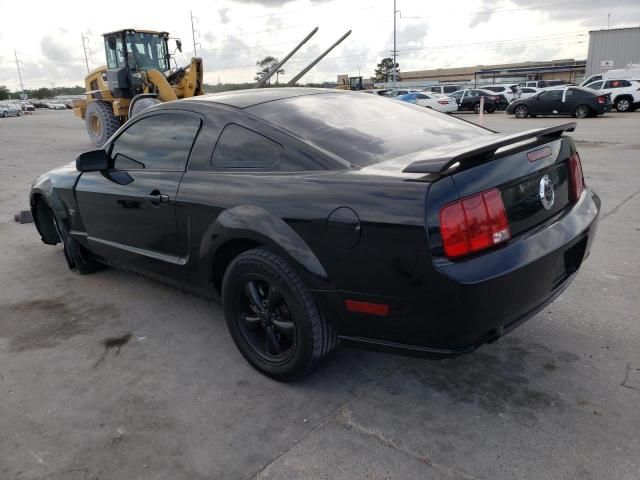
353,227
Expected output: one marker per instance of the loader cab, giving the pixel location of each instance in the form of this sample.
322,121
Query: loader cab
130,52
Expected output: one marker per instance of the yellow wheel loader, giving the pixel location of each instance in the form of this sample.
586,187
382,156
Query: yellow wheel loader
137,75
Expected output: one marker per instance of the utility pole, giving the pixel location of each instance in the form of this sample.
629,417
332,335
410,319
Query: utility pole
395,52
84,47
19,73
193,34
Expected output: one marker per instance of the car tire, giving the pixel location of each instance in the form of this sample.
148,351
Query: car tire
476,107
521,111
19,113
4,115
623,104
581,111
490,109
272,317
101,122
78,258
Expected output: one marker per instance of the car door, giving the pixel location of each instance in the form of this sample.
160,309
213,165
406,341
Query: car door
546,103
129,211
458,98
424,100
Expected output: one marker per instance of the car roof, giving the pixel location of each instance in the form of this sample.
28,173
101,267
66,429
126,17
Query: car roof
254,96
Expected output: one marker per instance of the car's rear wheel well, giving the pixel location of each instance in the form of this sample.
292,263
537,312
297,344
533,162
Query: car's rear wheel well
43,218
225,254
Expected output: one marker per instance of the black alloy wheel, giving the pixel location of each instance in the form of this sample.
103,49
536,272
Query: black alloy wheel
266,320
272,317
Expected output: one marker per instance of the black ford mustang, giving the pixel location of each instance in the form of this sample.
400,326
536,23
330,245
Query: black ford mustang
320,215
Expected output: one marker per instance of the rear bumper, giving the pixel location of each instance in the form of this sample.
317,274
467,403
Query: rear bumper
461,305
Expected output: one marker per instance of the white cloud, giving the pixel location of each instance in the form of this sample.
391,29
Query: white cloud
234,34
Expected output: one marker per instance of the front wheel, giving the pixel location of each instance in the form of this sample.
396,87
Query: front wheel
78,258
272,317
581,111
101,122
521,111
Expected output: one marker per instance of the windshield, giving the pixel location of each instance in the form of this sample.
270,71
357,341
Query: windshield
147,51
364,130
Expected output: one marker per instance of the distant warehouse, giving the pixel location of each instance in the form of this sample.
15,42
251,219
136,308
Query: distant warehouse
613,49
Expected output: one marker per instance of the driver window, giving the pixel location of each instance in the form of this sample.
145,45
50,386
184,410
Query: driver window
156,142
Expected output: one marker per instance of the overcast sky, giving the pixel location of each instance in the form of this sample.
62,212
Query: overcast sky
233,34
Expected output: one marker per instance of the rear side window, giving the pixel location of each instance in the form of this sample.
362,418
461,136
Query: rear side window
617,84
494,89
157,142
239,147
450,88
421,96
364,130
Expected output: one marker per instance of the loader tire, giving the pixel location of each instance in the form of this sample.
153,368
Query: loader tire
101,122
143,104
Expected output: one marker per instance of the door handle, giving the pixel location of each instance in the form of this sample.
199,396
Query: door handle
156,198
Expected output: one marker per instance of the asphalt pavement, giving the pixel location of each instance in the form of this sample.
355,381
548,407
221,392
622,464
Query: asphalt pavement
114,376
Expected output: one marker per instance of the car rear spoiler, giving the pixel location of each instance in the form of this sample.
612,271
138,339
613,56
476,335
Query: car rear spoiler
484,149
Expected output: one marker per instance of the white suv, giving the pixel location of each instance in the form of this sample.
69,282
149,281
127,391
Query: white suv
625,94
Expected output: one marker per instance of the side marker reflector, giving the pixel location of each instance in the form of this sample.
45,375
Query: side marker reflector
366,307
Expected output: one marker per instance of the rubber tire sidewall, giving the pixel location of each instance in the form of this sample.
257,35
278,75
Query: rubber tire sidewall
521,107
142,104
629,102
298,300
108,121
78,258
575,112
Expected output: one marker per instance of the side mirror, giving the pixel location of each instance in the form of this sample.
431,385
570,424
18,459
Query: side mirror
179,45
92,161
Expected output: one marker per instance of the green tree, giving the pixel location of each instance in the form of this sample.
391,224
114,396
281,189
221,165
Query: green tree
265,65
4,92
43,92
384,71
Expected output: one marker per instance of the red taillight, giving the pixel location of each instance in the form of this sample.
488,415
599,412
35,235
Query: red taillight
575,177
474,223
443,102
602,100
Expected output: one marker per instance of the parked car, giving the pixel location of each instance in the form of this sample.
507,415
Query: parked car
542,83
317,215
625,94
444,89
508,91
10,110
56,106
27,106
470,100
441,104
526,92
631,72
577,101
398,92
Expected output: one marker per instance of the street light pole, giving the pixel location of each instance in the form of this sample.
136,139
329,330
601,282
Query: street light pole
193,34
395,53
19,73
84,47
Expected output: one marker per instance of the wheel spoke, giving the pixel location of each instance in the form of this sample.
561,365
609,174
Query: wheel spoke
274,297
272,346
254,295
286,328
252,321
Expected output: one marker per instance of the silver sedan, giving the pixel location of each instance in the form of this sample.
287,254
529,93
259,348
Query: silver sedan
8,110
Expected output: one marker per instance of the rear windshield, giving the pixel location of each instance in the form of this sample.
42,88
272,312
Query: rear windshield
365,129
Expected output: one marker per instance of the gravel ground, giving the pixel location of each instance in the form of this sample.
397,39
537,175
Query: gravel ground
556,399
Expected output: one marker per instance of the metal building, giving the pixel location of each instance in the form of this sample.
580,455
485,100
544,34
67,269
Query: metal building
612,49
